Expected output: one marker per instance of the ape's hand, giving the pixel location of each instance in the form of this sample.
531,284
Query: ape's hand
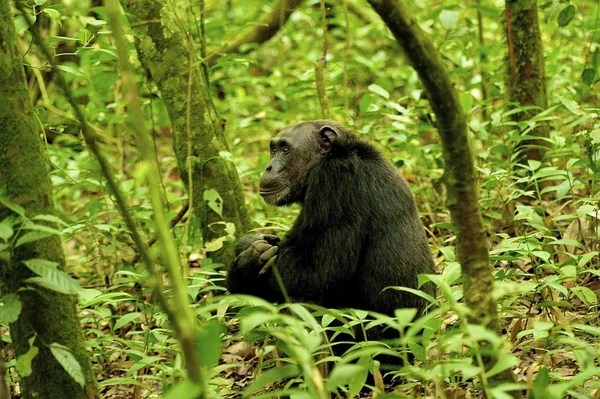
259,255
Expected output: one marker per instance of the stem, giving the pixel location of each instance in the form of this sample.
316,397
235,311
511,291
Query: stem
183,320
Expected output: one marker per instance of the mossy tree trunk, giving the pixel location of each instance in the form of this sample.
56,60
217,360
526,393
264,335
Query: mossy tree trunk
168,56
49,316
459,171
526,78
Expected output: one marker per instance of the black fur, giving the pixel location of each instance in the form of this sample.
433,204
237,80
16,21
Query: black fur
357,233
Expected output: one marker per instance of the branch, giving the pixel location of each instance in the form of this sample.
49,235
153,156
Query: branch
267,27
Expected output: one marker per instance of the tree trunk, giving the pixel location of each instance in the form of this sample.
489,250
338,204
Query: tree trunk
198,134
526,79
459,171
49,316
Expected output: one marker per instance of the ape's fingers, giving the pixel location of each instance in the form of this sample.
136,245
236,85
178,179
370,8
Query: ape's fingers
268,254
269,264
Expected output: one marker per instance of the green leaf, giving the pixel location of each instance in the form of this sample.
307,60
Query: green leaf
51,277
466,100
366,104
373,88
40,266
569,271
270,376
405,316
19,210
596,61
449,18
539,388
585,295
51,219
32,237
126,319
183,390
10,308
567,242
588,76
53,14
215,202
584,259
209,342
40,2
67,360
344,374
41,227
418,351
21,24
571,105
6,230
71,70
504,363
24,361
566,16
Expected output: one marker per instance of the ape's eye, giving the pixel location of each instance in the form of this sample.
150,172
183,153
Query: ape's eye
285,150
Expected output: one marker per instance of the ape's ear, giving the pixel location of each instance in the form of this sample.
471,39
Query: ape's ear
327,139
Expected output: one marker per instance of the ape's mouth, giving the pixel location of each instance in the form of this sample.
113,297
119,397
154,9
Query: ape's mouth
270,192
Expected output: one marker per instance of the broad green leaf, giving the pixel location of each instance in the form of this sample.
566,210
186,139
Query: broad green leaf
585,295
24,361
569,271
41,227
449,18
571,105
40,266
418,351
566,15
588,76
6,230
215,244
126,319
595,136
374,88
32,236
405,316
53,14
344,374
183,390
51,277
10,308
66,359
40,2
71,70
584,259
18,209
539,388
504,363
215,202
365,103
271,376
21,24
466,100
209,342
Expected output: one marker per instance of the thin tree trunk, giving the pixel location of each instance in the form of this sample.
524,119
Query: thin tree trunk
526,78
47,315
459,171
199,142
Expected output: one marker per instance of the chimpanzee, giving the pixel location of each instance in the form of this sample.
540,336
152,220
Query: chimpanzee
358,230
